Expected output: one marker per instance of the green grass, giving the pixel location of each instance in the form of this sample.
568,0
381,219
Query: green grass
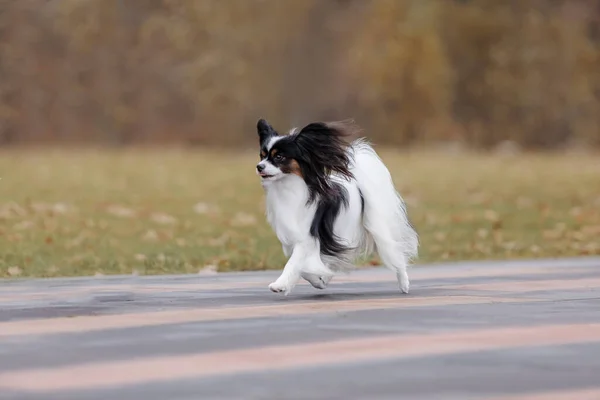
86,212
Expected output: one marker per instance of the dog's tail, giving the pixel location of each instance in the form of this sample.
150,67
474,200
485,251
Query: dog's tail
384,216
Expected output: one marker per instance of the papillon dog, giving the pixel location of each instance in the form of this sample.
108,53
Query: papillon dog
331,200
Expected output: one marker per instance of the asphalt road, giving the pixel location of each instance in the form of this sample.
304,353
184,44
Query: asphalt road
481,330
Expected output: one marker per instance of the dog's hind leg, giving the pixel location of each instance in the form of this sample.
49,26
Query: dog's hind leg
393,258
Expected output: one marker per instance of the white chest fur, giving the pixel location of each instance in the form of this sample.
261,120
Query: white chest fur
287,209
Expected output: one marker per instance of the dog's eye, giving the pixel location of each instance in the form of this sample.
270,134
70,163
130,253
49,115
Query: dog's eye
278,157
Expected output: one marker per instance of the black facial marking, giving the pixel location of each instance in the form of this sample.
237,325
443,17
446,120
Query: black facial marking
328,209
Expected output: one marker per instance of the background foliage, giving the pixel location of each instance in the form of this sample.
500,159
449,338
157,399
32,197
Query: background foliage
201,72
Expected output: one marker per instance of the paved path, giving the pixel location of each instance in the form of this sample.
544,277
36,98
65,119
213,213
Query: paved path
521,330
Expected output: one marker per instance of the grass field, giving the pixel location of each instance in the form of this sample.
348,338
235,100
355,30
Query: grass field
67,212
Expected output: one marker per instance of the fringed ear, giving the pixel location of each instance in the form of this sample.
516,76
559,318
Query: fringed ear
324,149
346,130
265,130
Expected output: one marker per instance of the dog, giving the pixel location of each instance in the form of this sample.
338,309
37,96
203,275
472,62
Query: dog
330,199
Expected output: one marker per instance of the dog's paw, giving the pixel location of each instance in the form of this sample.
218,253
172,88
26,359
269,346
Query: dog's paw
316,281
319,283
405,287
279,287
403,282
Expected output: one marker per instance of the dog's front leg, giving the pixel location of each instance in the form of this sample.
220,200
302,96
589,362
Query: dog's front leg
305,257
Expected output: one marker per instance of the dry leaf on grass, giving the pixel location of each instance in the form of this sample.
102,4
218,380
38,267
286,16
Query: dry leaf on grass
552,234
121,211
243,219
208,270
483,233
524,202
440,236
491,215
56,208
163,218
150,236
14,271
23,225
535,249
219,241
205,208
11,210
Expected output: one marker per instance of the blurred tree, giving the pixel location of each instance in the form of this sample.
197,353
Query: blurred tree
130,71
402,69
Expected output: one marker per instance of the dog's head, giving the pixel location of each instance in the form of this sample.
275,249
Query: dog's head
311,153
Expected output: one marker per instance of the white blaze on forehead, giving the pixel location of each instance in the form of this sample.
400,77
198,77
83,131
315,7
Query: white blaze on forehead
272,142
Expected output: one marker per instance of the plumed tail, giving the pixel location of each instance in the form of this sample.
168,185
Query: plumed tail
384,216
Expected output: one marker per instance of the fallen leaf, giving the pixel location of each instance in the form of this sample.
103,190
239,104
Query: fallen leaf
150,236
220,241
121,211
77,241
204,208
163,219
524,202
579,236
431,219
496,225
23,225
576,211
491,215
552,234
591,230
208,270
55,208
11,210
244,219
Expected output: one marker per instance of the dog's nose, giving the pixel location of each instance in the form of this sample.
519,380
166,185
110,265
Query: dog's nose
260,167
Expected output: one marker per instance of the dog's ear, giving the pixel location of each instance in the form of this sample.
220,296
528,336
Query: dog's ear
342,131
326,143
265,130
323,149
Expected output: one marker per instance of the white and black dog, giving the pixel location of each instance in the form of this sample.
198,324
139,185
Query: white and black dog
329,201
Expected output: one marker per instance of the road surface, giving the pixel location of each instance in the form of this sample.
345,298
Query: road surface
479,330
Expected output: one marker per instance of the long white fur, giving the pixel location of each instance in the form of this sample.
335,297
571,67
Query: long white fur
383,226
